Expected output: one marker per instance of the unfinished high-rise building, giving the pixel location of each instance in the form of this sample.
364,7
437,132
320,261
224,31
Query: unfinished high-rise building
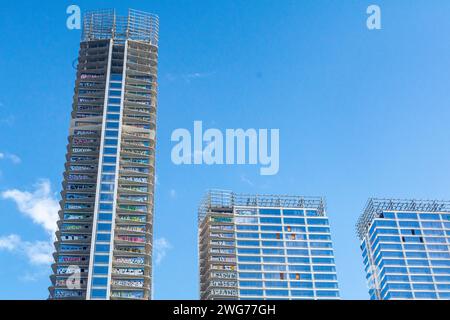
265,247
105,229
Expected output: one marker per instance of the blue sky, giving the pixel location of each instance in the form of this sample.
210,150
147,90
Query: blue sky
361,113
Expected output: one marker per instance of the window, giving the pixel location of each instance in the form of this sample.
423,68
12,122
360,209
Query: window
270,220
106,197
113,116
104,237
270,212
250,292
244,227
327,293
277,293
271,228
247,251
104,226
287,212
102,248
113,109
100,270
110,150
101,259
429,216
294,221
250,275
318,222
112,125
312,213
110,133
98,293
302,293
107,187
115,85
116,77
106,207
407,216
99,282
249,259
114,100
248,243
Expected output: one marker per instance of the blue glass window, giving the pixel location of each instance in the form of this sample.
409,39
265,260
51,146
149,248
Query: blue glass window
270,212
98,293
294,221
112,125
270,220
287,212
102,248
113,109
107,159
111,133
99,282
109,168
110,150
104,237
106,197
114,100
107,187
115,93
113,117
100,270
318,222
106,206
116,77
104,226
105,216
115,85
101,259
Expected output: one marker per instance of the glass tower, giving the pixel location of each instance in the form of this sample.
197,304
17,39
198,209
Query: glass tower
406,249
105,229
265,247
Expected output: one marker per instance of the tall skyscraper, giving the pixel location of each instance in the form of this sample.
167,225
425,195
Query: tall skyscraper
265,247
104,238
406,248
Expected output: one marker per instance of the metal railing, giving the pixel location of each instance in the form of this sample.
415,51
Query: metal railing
106,24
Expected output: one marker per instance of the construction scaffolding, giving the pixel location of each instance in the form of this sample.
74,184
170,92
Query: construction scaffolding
375,207
106,24
223,200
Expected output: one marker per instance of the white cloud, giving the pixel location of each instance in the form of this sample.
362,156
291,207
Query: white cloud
40,205
10,242
188,77
8,120
37,253
11,157
160,248
173,193
247,181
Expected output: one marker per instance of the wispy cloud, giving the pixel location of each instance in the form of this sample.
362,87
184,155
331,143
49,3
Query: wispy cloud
37,253
8,120
160,248
188,77
40,205
9,243
247,181
11,157
173,193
